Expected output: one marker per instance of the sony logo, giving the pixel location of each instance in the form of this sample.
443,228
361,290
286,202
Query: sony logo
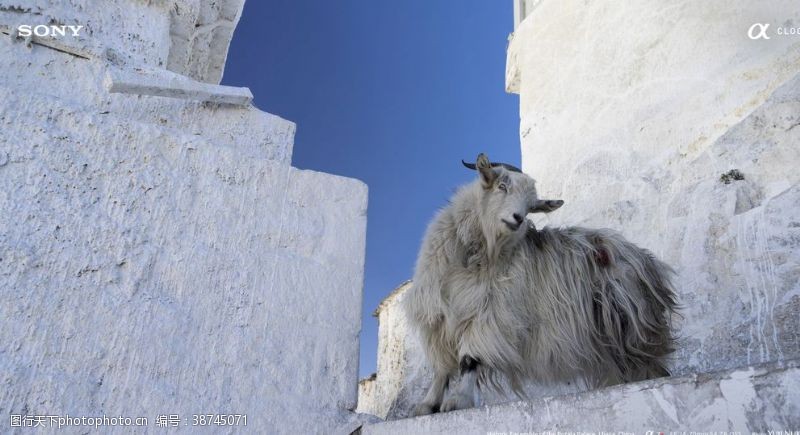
27,30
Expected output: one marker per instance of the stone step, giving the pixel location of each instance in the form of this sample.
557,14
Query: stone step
163,152
748,399
163,83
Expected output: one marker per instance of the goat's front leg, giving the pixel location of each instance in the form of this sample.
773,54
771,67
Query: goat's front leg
433,400
464,395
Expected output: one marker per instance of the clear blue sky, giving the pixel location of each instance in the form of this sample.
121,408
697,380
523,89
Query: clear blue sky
393,93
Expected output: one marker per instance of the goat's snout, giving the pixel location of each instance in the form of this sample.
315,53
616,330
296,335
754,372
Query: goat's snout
518,219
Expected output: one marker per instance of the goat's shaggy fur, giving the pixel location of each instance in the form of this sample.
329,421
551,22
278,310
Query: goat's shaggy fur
492,295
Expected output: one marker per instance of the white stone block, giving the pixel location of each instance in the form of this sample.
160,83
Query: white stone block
166,84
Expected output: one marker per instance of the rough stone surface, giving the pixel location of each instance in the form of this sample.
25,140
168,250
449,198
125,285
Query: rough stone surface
161,256
754,399
403,373
244,128
189,37
632,117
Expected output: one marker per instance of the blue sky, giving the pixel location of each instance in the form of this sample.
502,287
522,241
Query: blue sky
393,93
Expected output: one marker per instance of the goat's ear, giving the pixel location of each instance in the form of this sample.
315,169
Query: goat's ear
546,205
487,173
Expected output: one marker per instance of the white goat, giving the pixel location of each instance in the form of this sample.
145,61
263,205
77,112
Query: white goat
492,295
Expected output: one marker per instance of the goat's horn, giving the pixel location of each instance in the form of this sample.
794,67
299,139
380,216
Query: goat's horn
508,167
494,165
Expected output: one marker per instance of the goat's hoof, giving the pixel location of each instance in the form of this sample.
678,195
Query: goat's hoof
456,402
425,409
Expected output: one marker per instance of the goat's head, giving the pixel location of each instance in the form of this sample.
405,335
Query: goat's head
506,197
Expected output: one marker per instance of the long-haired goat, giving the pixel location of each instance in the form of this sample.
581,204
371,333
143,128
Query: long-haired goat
492,295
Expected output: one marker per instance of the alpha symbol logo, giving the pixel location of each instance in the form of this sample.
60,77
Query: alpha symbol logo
762,31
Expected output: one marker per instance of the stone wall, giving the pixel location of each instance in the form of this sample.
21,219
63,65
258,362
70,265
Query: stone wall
189,37
403,373
158,254
635,115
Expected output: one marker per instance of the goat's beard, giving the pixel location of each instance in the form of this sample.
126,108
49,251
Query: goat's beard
499,239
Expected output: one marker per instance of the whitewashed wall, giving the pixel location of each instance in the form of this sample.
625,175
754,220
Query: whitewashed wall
190,37
160,255
632,114
403,373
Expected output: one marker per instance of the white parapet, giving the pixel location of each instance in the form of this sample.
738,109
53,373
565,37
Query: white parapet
761,399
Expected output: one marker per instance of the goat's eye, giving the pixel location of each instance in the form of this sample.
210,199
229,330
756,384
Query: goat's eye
503,187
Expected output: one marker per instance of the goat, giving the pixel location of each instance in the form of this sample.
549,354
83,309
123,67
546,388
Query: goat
492,296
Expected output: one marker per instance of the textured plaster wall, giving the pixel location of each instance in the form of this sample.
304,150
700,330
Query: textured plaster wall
190,37
632,115
161,256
